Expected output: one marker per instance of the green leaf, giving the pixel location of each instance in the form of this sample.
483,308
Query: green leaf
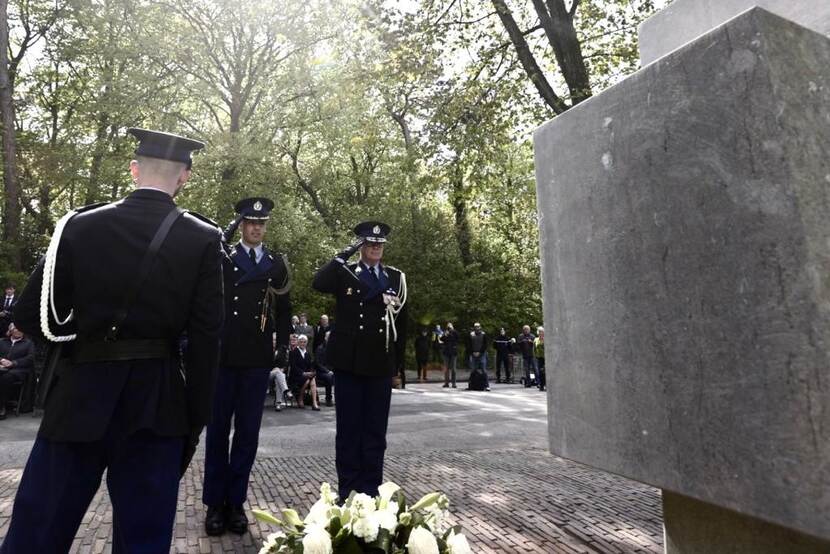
266,517
426,501
347,545
292,517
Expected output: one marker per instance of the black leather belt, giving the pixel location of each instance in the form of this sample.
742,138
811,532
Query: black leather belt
121,350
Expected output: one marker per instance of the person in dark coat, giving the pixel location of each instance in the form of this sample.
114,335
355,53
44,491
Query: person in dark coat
302,375
524,344
323,327
257,303
502,344
477,343
7,309
325,376
17,361
366,349
121,403
450,347
422,345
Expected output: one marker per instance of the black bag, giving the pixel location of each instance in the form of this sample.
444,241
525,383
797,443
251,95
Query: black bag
478,380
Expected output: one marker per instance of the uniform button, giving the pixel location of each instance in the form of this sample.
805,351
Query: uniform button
358,291
256,317
361,316
383,319
236,269
236,313
258,303
360,327
361,302
235,298
380,330
269,280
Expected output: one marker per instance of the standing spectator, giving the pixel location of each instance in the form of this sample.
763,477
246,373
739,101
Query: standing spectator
304,327
539,354
295,322
502,346
301,374
324,374
524,343
7,313
477,347
437,342
450,353
320,331
17,360
422,353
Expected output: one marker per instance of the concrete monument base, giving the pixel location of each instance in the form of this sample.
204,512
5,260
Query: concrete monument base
695,527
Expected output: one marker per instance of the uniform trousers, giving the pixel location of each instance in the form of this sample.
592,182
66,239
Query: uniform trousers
503,360
362,418
240,397
61,478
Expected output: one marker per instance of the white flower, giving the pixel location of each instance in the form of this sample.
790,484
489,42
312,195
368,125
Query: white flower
317,541
434,517
386,490
318,513
405,518
457,544
270,542
388,520
327,495
363,504
421,541
392,507
366,528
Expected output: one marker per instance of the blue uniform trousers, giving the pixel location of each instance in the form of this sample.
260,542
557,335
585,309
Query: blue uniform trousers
362,417
240,396
61,479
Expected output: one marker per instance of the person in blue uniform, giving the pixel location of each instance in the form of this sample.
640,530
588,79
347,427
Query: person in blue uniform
365,350
257,305
121,402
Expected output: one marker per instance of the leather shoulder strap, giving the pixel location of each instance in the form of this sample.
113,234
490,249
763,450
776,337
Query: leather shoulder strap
144,271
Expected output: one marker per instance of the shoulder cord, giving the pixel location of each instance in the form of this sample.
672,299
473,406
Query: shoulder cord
47,288
393,309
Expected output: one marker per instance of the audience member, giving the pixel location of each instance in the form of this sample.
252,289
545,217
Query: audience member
320,331
477,348
502,345
301,376
323,372
277,379
17,360
450,354
422,353
7,311
437,343
304,327
295,323
539,354
524,343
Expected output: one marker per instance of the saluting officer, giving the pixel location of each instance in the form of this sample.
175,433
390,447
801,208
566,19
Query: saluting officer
121,403
365,349
257,305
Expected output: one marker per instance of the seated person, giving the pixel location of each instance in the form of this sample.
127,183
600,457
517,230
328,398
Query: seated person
325,376
17,360
301,374
277,379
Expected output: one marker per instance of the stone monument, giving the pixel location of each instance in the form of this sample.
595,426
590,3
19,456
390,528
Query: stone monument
685,236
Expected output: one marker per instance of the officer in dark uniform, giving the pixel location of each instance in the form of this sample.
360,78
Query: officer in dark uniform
366,349
121,403
257,305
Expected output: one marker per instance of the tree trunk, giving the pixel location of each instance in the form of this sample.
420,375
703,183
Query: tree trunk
559,28
101,145
11,183
462,222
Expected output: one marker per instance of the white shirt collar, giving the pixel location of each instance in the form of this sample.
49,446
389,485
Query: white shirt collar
257,249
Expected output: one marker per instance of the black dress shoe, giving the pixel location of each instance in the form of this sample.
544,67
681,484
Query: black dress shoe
329,403
237,520
215,520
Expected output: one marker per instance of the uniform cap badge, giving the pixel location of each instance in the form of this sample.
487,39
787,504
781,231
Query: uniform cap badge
257,205
376,229
349,291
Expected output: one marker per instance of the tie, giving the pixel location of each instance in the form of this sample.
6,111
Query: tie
372,271
8,303
252,255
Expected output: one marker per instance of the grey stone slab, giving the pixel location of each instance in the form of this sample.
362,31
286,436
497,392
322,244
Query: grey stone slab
686,273
685,20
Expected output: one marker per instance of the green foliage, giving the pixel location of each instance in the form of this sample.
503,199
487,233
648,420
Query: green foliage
417,114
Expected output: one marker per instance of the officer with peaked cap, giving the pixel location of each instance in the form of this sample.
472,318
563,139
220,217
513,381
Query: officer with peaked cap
366,349
257,304
128,278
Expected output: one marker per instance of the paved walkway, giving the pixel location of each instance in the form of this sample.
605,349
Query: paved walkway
486,451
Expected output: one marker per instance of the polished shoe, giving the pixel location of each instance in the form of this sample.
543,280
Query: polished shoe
237,520
278,407
454,386
215,521
329,403
446,386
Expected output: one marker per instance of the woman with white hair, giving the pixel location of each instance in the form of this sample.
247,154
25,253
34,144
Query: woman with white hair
539,354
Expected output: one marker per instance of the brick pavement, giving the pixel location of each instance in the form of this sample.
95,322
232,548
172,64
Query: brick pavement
509,501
